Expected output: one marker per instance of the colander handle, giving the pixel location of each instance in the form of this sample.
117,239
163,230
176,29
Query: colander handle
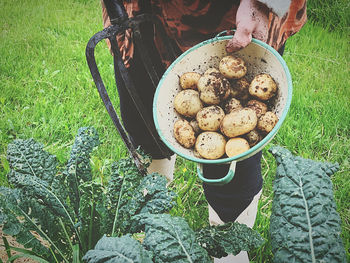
220,181
226,33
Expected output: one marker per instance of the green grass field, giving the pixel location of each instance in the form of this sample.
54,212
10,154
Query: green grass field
47,92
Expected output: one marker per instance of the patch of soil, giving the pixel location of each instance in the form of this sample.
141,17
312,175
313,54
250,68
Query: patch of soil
12,242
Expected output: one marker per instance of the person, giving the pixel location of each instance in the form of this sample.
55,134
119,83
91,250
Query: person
187,23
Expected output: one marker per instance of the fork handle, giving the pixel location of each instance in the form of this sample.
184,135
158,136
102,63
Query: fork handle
116,11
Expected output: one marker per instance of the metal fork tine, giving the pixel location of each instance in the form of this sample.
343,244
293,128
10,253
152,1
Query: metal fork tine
90,57
121,22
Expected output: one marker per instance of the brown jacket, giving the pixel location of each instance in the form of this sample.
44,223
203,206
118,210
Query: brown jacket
190,22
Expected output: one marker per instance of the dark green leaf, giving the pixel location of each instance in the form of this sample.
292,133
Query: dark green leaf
124,180
78,169
27,158
304,224
33,170
158,199
150,196
92,196
229,238
118,249
171,239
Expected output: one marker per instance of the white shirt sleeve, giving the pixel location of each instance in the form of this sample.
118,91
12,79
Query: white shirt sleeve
279,7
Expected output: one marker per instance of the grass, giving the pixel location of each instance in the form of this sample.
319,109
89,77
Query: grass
47,93
333,14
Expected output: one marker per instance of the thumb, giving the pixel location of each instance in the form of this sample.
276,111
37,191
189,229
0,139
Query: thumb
241,39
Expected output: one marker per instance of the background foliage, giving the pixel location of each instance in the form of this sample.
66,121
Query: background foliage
332,14
47,93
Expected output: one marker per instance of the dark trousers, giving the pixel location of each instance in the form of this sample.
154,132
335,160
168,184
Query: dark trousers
229,200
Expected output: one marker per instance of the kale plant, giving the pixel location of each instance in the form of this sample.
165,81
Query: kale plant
77,215
170,239
304,224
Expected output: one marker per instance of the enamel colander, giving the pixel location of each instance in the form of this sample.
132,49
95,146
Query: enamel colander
259,58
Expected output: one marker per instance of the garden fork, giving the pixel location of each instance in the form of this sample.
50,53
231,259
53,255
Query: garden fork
121,22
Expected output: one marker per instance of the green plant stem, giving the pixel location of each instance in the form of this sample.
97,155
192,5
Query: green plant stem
76,254
117,210
76,179
22,250
54,255
7,247
91,223
308,222
36,258
46,236
182,246
65,232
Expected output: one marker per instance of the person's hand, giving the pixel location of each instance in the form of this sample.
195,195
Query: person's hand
251,20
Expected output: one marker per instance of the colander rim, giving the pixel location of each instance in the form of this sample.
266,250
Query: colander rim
259,146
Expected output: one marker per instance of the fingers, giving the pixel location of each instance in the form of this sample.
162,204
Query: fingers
241,39
244,33
251,21
261,31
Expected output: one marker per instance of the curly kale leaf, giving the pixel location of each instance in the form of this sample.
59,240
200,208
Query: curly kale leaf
157,198
69,209
229,238
304,224
33,170
171,239
78,169
27,158
129,194
151,196
123,182
118,249
33,173
42,202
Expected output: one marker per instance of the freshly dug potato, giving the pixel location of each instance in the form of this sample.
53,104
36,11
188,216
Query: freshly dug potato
210,145
195,126
267,121
236,146
232,104
239,122
213,88
253,137
188,103
259,107
209,118
240,89
263,87
189,80
232,67
211,70
184,133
